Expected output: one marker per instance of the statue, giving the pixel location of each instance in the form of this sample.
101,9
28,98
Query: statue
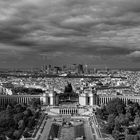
68,88
69,96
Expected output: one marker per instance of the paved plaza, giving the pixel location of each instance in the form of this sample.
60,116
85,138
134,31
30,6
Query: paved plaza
68,132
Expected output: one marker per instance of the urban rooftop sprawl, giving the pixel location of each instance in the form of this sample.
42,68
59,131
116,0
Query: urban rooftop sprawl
61,102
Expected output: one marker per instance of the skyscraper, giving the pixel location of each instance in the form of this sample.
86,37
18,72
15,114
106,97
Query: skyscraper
80,69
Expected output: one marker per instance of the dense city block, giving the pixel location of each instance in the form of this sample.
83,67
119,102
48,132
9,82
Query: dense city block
104,105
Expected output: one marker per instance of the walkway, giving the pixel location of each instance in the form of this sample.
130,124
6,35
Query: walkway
44,131
95,125
88,131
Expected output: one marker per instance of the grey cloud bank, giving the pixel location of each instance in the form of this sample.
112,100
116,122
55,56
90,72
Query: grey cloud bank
67,31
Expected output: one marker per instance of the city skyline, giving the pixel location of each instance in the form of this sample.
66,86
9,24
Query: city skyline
98,32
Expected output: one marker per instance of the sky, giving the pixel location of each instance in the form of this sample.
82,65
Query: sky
104,33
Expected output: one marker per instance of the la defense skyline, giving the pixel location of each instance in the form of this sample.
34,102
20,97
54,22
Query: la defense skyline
97,32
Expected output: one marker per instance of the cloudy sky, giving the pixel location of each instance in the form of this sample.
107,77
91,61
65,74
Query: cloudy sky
98,32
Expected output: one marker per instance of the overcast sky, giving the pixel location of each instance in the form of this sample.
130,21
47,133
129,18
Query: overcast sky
98,32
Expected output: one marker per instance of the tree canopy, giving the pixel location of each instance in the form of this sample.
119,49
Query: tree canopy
15,118
123,121
115,106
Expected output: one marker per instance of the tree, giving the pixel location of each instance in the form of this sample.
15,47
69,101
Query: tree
115,134
21,124
26,134
117,127
6,121
102,113
108,129
17,134
111,122
133,108
137,120
28,112
37,114
13,103
128,116
9,134
18,108
112,106
136,107
126,131
9,110
18,117
31,122
2,137
35,102
120,108
129,102
121,118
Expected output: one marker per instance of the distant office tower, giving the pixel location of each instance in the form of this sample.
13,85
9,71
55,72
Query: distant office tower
49,69
44,68
56,69
64,67
95,70
80,69
86,70
73,67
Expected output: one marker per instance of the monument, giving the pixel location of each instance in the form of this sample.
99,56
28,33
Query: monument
69,96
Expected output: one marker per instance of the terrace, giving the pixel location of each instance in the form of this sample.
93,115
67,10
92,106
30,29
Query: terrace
66,128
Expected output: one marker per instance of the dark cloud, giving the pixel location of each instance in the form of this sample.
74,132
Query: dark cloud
106,50
91,28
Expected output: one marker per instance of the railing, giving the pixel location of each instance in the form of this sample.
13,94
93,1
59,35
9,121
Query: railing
97,130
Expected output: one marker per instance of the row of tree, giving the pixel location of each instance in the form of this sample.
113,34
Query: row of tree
123,121
30,91
19,119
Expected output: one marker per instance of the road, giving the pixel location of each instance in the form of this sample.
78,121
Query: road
88,131
44,130
95,127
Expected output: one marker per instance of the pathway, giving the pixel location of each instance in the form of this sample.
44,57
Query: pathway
88,131
46,130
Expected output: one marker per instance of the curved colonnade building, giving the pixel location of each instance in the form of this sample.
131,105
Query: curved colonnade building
6,99
52,99
104,99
